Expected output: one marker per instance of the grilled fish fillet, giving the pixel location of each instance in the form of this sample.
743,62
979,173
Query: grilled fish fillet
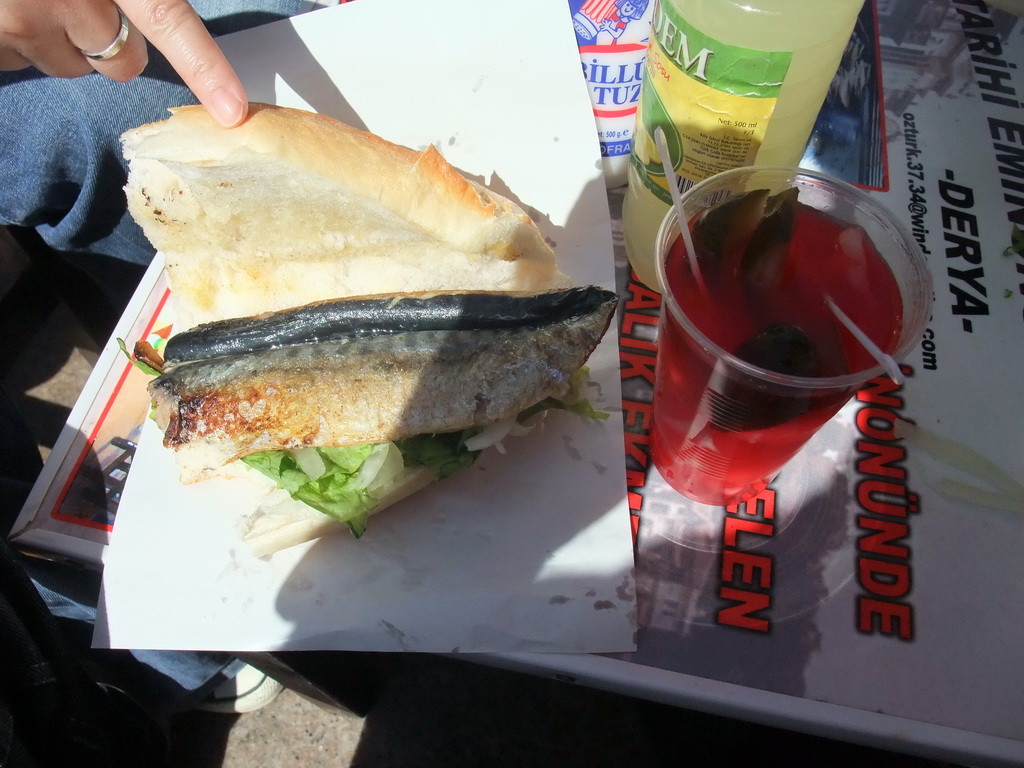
445,371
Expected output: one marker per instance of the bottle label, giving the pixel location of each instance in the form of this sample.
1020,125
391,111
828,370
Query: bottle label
712,100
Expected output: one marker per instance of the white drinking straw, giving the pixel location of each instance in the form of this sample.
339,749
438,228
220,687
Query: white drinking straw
677,201
886,361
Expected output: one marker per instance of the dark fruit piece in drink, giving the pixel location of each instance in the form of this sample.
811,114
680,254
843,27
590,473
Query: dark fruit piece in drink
725,226
761,266
781,348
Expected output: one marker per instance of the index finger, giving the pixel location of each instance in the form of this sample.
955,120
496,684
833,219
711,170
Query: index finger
178,32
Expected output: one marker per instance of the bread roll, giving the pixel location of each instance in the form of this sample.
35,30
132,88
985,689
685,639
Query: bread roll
292,207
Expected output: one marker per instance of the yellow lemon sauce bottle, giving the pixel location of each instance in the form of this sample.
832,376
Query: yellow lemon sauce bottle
731,83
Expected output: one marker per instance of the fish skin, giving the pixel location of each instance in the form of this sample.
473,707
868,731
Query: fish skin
372,315
366,389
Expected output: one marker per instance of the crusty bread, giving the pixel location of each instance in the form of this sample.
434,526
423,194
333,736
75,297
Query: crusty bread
293,207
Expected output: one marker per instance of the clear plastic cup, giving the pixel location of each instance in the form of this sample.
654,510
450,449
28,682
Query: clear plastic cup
751,361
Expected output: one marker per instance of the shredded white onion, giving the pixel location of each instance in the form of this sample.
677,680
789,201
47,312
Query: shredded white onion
384,463
309,461
494,433
960,456
281,522
1008,492
397,485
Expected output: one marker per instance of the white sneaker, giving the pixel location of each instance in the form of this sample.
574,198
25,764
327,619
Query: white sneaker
247,691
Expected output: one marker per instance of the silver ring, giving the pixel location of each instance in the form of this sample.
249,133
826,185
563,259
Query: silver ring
115,47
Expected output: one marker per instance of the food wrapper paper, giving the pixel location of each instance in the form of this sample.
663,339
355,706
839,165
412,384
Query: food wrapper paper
527,550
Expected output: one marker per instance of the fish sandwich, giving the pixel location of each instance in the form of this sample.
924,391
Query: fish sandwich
355,324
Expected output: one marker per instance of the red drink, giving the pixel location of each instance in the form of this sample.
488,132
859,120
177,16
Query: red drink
753,362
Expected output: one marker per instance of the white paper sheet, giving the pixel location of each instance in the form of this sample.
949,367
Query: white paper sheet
528,551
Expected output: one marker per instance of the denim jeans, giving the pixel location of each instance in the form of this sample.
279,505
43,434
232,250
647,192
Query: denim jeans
61,172
61,169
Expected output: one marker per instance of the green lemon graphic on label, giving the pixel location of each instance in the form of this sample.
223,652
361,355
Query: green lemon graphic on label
653,115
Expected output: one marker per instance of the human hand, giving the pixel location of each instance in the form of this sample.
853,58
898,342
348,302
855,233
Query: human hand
52,36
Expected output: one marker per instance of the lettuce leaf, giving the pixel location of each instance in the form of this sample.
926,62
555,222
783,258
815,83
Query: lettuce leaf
340,494
334,493
337,493
142,365
446,454
573,400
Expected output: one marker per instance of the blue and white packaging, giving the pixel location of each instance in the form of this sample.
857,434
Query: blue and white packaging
612,36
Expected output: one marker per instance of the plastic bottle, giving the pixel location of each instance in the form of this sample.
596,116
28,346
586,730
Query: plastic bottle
613,36
732,83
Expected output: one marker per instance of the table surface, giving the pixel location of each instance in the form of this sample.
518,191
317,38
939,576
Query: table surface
879,601
872,592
